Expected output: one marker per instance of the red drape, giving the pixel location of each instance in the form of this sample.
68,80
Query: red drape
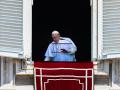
63,75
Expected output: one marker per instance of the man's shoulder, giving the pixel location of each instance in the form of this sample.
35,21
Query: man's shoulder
66,38
50,44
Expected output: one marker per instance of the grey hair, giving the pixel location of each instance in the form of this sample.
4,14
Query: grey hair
55,32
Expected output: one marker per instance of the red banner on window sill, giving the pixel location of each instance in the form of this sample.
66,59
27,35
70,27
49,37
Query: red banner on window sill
63,76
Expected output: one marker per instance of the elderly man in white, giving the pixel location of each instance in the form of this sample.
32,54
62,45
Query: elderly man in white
61,49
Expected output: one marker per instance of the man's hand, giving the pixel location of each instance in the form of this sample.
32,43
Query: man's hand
64,51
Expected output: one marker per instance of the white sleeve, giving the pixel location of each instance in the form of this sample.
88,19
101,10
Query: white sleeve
47,59
73,47
49,53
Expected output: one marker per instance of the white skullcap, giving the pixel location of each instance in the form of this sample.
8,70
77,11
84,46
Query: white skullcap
55,32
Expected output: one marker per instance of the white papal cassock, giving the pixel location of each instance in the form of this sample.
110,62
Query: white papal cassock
54,53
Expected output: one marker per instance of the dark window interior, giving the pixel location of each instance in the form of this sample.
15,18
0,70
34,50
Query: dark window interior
71,18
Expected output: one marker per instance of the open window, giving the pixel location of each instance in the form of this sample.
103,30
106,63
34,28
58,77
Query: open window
71,18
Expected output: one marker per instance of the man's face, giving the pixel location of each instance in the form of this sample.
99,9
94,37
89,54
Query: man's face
56,37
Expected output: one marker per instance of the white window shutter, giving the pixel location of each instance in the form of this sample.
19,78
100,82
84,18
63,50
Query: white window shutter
108,29
111,28
12,28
